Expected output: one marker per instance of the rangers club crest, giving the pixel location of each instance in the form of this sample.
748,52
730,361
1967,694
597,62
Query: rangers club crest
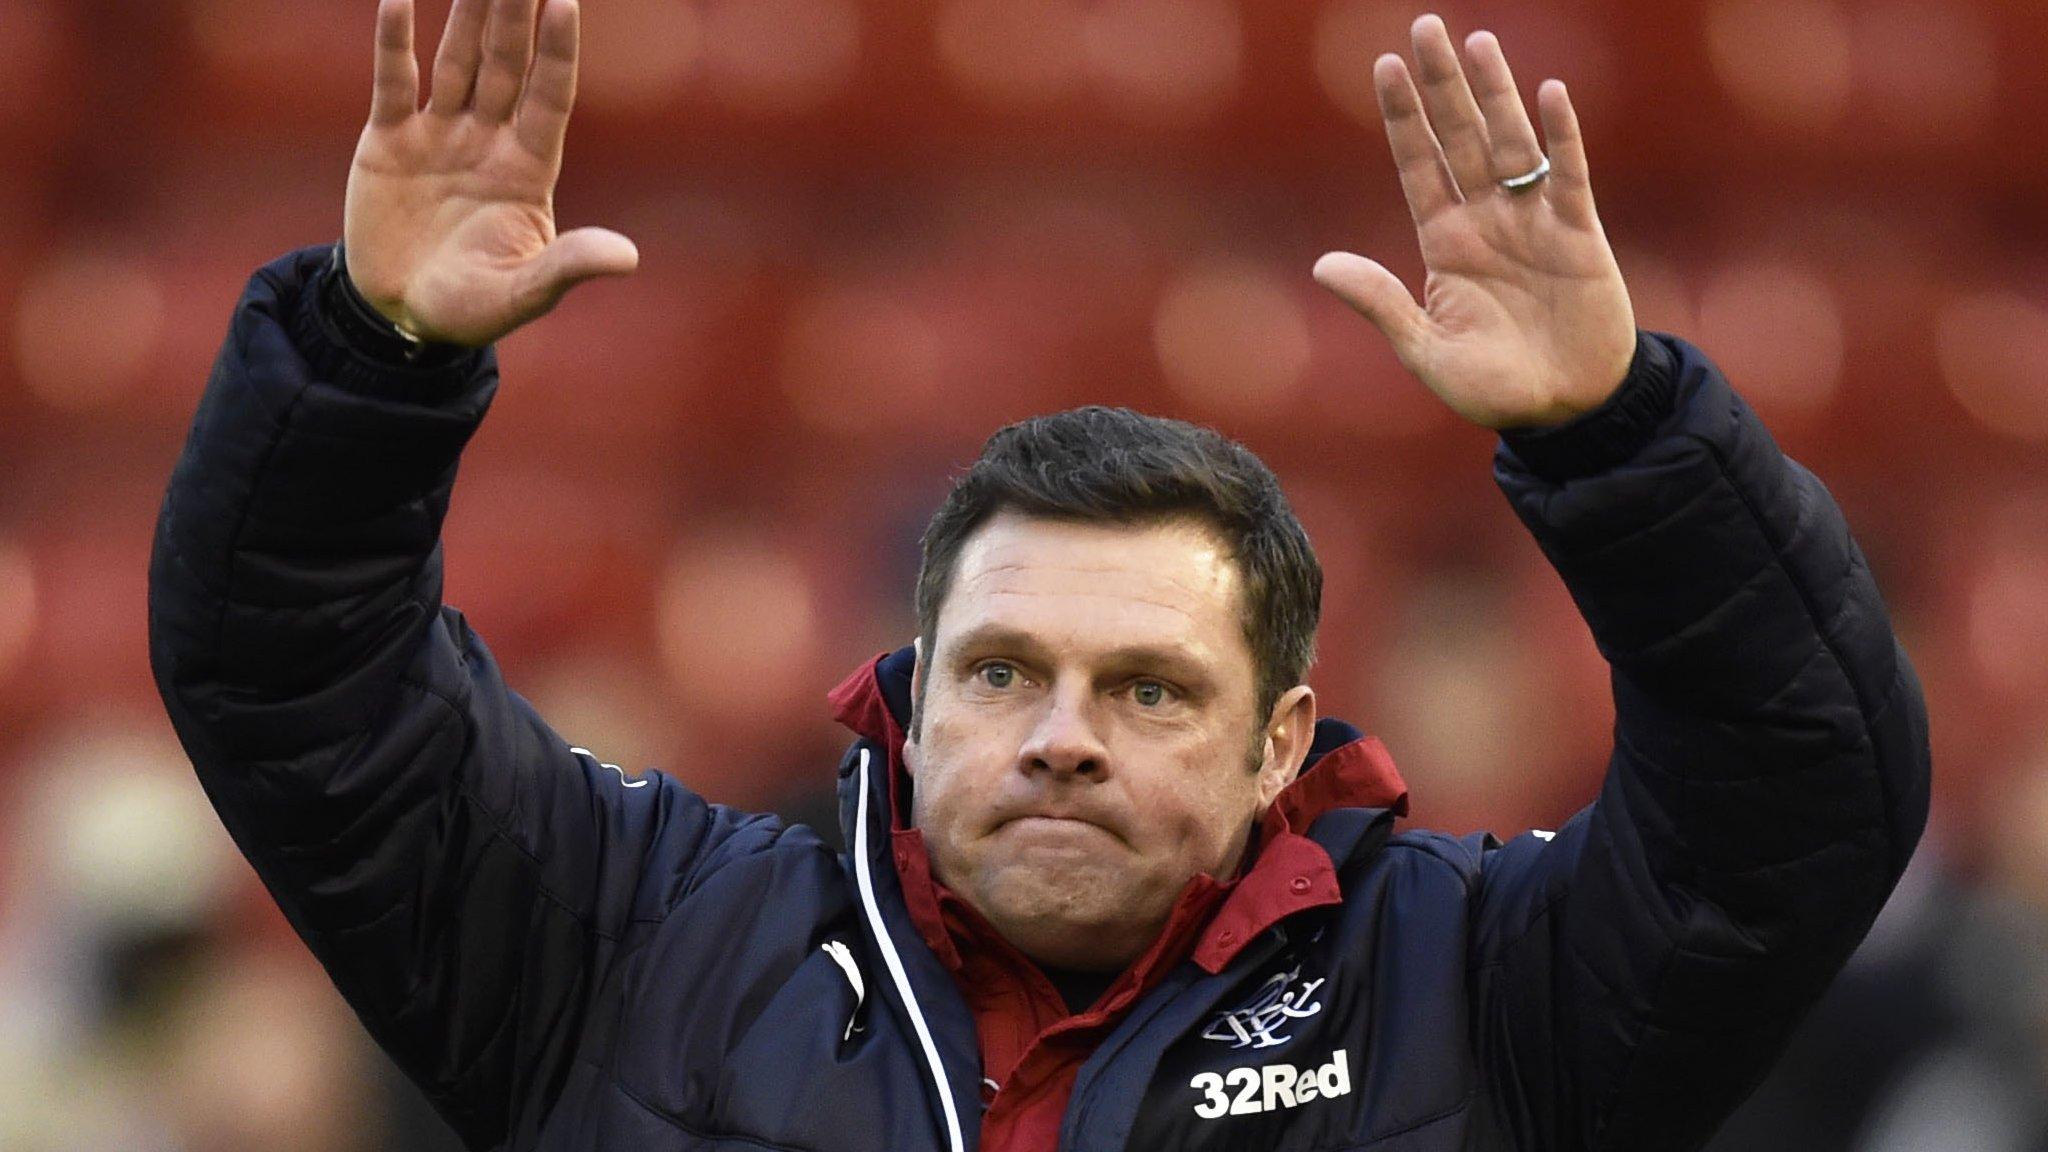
1277,1002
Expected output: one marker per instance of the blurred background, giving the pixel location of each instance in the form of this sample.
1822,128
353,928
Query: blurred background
874,230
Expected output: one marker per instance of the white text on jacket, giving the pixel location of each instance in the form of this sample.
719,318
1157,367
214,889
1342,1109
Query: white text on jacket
1273,1086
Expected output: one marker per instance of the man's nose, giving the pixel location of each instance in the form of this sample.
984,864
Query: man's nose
1064,740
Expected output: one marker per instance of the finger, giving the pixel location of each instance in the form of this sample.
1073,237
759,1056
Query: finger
508,50
1570,185
1453,113
551,90
1424,180
456,59
1379,296
395,89
1513,148
572,258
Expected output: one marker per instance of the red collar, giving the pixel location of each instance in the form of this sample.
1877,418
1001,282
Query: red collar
1288,874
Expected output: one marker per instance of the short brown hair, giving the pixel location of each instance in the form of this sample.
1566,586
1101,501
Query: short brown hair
1118,466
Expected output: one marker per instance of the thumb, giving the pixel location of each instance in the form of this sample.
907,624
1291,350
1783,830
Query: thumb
1376,294
576,256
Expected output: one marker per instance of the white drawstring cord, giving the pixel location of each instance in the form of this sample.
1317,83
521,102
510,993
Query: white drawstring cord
894,962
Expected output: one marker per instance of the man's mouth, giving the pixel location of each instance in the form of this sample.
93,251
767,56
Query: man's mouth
1040,819
1054,826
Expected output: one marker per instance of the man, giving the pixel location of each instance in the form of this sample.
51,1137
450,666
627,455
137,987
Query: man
1112,884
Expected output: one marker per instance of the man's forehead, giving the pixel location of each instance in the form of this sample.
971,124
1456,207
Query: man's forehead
1167,580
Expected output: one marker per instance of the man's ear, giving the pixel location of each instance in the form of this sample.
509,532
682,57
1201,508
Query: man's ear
1289,731
911,754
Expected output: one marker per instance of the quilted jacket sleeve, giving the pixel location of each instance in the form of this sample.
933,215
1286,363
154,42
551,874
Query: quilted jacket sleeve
463,875
1634,976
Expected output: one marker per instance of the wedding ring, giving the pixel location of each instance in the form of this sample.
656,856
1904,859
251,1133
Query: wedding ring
1528,179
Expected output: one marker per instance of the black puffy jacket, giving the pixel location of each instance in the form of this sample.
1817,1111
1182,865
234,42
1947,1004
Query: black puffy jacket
564,958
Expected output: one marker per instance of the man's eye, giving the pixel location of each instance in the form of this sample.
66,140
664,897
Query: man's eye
998,675
1149,693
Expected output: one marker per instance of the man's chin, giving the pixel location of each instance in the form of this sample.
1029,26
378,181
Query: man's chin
1065,918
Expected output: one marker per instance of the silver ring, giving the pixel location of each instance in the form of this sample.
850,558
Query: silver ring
1527,179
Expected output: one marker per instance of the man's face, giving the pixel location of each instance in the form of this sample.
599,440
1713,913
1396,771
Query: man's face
1087,741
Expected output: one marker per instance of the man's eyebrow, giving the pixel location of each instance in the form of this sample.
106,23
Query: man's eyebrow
983,637
1170,659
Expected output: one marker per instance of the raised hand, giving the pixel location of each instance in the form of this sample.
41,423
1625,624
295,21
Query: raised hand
450,223
1525,320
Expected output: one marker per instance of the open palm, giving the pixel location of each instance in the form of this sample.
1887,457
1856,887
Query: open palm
1524,319
450,223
